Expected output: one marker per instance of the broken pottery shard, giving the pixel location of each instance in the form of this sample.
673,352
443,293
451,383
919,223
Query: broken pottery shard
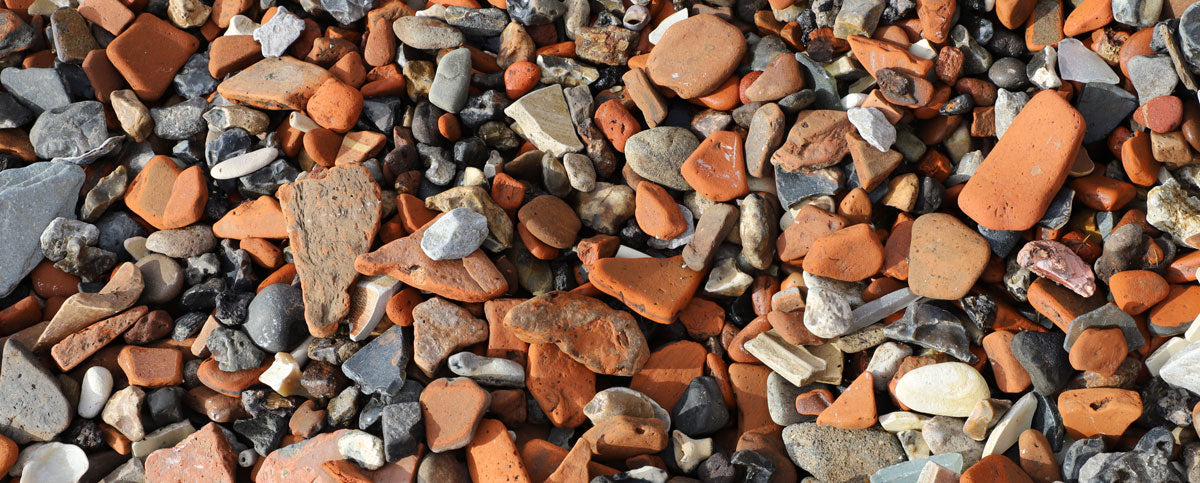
32,406
544,119
279,83
605,340
470,279
82,309
816,140
1059,263
331,219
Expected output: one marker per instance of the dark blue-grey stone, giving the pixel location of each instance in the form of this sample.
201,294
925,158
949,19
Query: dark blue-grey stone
30,198
477,22
202,296
1103,107
39,89
822,84
933,327
1059,212
1043,357
193,80
70,130
276,318
233,350
268,179
379,366
1002,242
794,187
1077,454
12,112
403,430
233,307
237,267
187,325
484,107
536,12
264,432
164,406
701,409
231,142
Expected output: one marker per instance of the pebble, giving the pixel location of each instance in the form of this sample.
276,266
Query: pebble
697,63
55,462
1078,63
94,391
1041,354
873,126
543,116
454,235
968,387
277,34
834,454
38,89
491,371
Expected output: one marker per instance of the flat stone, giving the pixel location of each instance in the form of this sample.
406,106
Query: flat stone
945,257
455,235
545,120
659,153
1042,356
275,84
816,140
607,341
69,130
471,279
441,328
331,220
82,309
451,81
489,371
379,366
696,55
426,33
833,454
452,409
39,89
33,406
277,34
1103,107
203,454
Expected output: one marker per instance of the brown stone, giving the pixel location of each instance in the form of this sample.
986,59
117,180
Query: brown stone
626,436
301,461
850,254
854,408
1009,374
551,220
561,386
151,367
277,83
452,409
205,455
669,370
945,257
149,53
656,288
77,347
331,220
816,140
441,328
696,58
1037,457
1098,411
166,196
605,340
492,455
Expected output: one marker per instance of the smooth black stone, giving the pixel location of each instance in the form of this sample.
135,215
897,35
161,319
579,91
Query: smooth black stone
1042,356
264,432
701,409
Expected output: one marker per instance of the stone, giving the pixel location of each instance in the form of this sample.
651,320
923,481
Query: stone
1172,209
1010,428
945,389
656,288
203,454
833,454
38,89
362,448
94,391
873,126
69,130
163,279
476,198
274,84
658,154
545,121
1042,356
450,82
54,462
471,279
607,341
696,55
166,196
244,164
440,328
550,220
1152,76
701,409
945,435
1137,13
816,140
1179,369
1006,168
452,410
150,72
1098,411
331,221
82,309
490,371
1078,63
945,257
1057,262
273,317
1103,107
278,33
35,409
454,235
182,243
379,367
234,350
403,430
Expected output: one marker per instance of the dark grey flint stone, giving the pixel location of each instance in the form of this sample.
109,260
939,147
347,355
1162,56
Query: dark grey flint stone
275,314
40,89
479,22
31,197
264,432
823,84
536,12
1108,315
794,187
701,409
32,405
70,130
193,80
233,350
379,366
12,112
1103,107
1042,356
403,430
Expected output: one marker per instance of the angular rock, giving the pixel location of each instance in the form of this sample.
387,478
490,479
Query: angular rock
607,341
